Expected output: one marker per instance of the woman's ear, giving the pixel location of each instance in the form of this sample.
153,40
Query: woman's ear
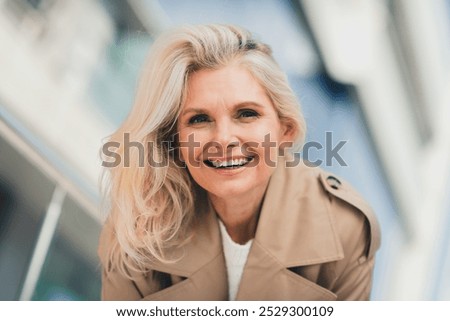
288,133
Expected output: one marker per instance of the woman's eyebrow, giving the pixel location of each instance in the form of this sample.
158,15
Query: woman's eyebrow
193,110
236,106
248,104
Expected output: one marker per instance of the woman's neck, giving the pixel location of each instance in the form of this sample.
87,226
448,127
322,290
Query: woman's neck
240,214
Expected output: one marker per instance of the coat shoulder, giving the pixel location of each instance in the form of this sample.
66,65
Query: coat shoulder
340,189
335,188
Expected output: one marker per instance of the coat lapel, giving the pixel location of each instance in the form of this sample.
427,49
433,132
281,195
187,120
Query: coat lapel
201,262
208,283
266,279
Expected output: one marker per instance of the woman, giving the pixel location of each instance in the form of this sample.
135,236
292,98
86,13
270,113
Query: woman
208,204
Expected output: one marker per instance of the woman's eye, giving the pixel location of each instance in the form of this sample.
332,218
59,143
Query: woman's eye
198,119
248,113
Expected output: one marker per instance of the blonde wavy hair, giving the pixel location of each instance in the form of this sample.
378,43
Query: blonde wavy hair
151,208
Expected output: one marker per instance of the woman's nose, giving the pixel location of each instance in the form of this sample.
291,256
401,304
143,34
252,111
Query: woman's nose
225,134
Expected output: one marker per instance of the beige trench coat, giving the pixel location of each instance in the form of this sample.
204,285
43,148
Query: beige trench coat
315,240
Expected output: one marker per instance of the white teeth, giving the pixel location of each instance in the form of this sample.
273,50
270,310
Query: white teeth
233,162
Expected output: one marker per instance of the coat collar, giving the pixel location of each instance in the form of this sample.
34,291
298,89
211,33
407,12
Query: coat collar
295,226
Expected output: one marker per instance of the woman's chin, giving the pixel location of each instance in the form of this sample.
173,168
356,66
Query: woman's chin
235,190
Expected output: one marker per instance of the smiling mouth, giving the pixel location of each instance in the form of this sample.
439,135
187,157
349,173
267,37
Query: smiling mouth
228,164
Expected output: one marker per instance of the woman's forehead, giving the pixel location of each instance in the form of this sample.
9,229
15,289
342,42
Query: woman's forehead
231,84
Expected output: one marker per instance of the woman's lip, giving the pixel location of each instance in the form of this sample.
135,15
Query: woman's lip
227,163
228,159
229,171
230,168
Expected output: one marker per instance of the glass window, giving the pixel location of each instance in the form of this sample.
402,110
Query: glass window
91,53
113,81
71,270
441,280
24,196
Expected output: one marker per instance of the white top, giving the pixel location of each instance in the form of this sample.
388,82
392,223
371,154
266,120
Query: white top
235,258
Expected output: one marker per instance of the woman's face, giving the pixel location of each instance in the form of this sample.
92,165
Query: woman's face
229,132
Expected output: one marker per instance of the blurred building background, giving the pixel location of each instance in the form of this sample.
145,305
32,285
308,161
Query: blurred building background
375,73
